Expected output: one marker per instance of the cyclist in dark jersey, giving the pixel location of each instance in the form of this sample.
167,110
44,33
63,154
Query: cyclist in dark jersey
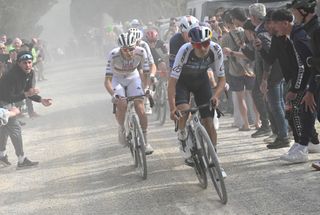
189,74
186,23
158,49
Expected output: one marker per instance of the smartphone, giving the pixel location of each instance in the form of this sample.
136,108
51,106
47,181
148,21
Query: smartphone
4,58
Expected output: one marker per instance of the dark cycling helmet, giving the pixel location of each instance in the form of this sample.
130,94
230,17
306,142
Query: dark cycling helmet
152,35
302,4
200,34
126,40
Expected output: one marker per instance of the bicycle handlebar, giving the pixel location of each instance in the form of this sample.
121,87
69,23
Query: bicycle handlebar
131,98
193,110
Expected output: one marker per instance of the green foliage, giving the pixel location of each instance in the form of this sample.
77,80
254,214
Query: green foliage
18,18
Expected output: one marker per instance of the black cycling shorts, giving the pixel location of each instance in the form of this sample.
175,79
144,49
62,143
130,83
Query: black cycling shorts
202,95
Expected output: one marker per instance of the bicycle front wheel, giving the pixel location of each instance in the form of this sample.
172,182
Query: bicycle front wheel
212,164
200,169
139,148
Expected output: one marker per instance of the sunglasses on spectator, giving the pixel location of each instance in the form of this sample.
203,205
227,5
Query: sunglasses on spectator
204,44
128,49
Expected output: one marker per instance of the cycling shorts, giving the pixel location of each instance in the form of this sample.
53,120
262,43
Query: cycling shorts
202,95
127,86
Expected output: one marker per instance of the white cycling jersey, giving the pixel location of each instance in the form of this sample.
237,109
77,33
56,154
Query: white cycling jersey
117,65
187,61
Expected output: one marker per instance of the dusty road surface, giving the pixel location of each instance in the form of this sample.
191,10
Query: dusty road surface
83,170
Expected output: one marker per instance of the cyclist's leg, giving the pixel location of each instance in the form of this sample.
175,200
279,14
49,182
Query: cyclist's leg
182,103
118,88
202,96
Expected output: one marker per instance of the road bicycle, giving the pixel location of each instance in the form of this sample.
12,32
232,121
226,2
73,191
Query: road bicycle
134,136
203,153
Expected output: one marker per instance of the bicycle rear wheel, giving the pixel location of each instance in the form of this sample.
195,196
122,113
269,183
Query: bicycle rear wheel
162,104
139,148
212,164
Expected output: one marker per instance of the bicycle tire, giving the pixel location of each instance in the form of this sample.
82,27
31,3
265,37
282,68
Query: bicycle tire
212,164
140,147
133,153
163,105
199,166
156,107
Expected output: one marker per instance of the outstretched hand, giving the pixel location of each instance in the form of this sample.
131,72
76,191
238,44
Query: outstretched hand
46,102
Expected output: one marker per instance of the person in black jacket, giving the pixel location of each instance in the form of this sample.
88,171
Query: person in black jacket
292,48
15,86
305,14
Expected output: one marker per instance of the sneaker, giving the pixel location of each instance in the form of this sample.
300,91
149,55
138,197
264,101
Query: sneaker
313,148
298,155
270,139
122,136
316,165
148,149
261,132
27,163
279,143
185,152
4,160
189,162
224,174
293,147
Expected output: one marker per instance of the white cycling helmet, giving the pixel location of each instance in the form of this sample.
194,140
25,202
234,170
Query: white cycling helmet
135,22
188,22
200,34
126,40
136,32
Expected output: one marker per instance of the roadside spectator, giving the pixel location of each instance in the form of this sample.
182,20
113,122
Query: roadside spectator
292,48
15,86
240,80
272,86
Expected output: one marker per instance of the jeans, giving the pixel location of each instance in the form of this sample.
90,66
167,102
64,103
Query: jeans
260,105
302,122
276,105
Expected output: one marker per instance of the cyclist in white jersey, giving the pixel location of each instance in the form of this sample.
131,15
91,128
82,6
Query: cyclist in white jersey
189,74
149,71
123,79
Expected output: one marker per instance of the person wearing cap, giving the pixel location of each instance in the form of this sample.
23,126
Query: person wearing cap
272,86
15,86
292,47
305,15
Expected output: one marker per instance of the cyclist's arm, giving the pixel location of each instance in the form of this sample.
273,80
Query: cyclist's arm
108,85
218,68
175,74
152,65
211,78
172,93
109,74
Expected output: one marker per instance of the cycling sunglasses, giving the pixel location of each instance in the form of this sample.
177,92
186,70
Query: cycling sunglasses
204,44
128,49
